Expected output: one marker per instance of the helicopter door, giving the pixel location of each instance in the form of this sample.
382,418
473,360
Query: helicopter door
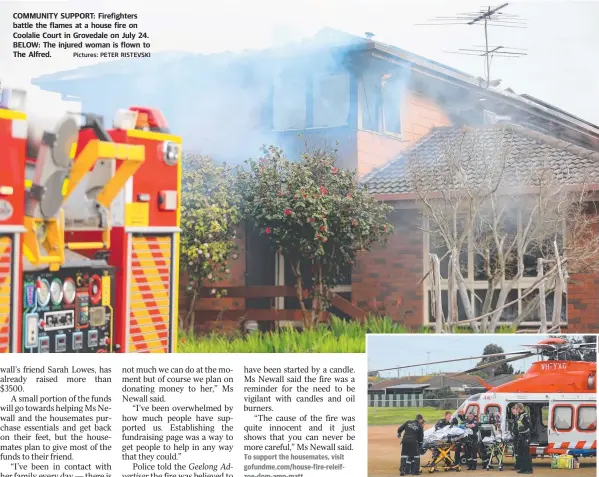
561,430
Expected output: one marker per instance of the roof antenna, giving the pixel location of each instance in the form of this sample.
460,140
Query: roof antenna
487,16
369,35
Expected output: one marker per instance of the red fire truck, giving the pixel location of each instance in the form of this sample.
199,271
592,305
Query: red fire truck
89,233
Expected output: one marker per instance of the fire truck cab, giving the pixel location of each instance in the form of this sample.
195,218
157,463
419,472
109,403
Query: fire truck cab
89,233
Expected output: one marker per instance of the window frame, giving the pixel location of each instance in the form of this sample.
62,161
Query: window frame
572,416
383,109
316,78
521,286
581,406
378,107
498,406
470,405
283,77
309,82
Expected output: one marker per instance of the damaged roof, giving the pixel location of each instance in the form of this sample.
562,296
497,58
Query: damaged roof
195,66
522,150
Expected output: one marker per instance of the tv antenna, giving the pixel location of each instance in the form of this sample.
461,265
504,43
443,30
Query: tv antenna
487,16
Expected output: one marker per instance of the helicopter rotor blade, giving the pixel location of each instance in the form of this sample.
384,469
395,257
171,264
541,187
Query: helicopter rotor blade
449,361
492,364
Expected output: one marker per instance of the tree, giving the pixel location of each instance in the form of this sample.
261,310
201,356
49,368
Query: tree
316,215
209,216
491,371
498,218
443,398
588,354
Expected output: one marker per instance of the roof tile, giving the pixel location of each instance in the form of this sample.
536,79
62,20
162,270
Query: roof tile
526,151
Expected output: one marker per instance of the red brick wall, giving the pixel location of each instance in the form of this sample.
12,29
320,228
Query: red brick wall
376,149
419,115
384,280
583,301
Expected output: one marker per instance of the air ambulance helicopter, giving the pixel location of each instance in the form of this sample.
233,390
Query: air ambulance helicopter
559,396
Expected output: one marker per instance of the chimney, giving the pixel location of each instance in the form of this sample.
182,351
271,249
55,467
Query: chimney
369,35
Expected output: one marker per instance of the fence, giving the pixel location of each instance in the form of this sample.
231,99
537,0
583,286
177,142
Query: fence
233,308
412,400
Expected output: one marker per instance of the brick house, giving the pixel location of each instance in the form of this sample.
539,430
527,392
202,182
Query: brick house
393,272
373,99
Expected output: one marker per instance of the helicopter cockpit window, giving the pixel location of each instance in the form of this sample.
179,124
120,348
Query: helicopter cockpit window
587,418
492,414
562,418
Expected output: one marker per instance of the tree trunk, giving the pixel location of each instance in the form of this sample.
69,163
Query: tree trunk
542,308
436,279
557,302
190,318
299,291
559,288
452,306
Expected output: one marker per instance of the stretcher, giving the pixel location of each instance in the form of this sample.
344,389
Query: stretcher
443,444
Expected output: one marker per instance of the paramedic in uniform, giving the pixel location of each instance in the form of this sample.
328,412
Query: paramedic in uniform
446,421
522,435
410,445
456,421
471,441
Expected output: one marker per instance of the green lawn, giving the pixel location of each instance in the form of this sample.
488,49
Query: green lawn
399,415
339,336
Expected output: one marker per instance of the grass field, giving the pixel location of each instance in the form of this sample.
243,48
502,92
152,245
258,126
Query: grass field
378,416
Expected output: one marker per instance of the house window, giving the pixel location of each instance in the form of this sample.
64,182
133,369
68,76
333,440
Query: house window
331,100
289,101
380,99
391,105
473,270
562,418
369,98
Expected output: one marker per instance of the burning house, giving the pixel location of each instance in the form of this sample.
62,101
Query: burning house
381,105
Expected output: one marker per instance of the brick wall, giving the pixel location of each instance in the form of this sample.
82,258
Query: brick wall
419,115
384,280
583,301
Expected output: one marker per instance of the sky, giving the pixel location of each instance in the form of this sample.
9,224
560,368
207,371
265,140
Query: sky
387,351
560,38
